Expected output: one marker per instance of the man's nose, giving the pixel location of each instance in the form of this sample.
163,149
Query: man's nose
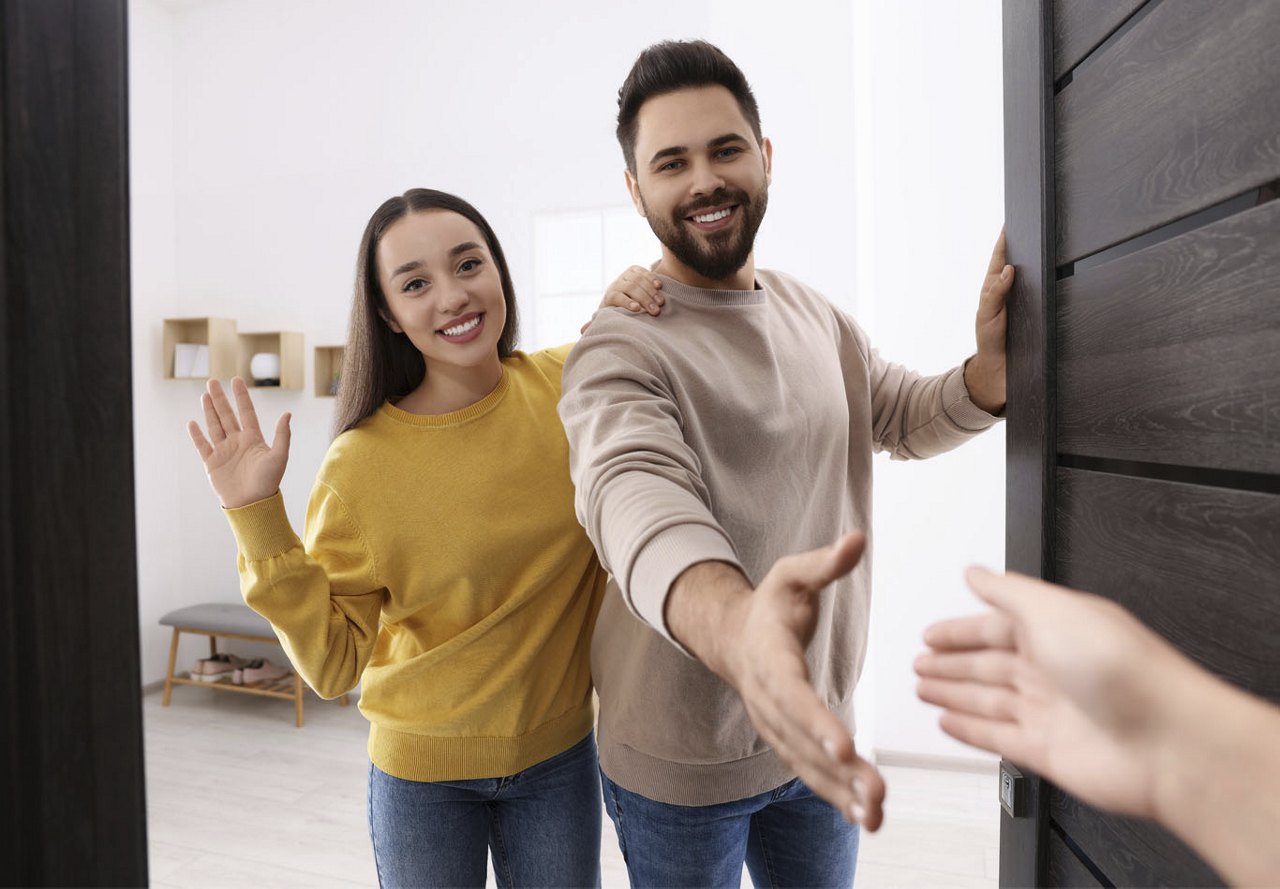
706,179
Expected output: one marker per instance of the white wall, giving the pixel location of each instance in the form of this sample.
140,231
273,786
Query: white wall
930,205
265,134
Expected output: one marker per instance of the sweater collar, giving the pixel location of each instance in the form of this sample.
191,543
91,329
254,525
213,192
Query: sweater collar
458,417
701,296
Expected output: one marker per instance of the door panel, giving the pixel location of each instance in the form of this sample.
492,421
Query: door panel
1179,114
1198,564
1080,25
1159,351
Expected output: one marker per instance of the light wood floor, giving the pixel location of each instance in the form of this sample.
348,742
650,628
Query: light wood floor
236,796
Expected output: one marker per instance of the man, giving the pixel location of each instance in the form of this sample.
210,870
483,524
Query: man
706,446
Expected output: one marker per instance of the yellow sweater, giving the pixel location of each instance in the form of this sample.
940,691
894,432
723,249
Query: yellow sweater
444,566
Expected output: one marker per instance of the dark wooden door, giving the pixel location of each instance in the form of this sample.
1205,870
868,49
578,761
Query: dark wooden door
72,807
1142,148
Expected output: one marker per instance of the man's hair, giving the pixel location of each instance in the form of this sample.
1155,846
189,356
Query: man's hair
675,65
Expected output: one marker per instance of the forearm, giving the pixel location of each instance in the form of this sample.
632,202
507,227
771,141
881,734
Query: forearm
328,637
704,611
1218,778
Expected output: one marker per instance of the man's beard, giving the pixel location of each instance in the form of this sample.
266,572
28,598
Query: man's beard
725,252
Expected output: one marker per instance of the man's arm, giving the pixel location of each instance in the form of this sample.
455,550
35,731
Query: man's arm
755,640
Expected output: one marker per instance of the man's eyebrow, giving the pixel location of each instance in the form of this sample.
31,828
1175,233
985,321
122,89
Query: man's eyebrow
726,139
676,150
673,151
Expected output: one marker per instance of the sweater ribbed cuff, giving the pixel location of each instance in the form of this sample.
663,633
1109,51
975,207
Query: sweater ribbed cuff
262,529
960,408
664,558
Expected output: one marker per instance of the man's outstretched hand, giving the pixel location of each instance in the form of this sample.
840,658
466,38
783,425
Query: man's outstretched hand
755,640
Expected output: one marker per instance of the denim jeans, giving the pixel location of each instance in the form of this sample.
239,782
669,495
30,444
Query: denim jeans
542,825
786,836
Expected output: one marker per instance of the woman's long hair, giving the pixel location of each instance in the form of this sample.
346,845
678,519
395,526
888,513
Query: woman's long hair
380,364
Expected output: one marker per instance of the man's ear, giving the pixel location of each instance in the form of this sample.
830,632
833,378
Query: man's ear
766,149
390,322
633,187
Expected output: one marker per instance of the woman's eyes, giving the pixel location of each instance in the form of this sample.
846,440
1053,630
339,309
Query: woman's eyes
469,265
414,284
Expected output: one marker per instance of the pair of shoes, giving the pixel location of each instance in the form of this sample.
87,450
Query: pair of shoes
217,668
258,670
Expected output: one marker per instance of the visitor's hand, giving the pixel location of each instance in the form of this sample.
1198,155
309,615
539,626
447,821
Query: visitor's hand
984,373
242,469
1067,684
636,290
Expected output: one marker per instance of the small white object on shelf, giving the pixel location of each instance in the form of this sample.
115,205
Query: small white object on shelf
264,367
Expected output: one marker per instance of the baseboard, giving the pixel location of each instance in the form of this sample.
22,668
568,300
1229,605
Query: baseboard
152,687
941,763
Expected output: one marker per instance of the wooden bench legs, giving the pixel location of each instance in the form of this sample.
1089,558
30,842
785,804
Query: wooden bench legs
171,679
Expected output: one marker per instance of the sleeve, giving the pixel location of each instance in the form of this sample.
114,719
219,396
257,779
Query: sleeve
323,600
639,490
912,416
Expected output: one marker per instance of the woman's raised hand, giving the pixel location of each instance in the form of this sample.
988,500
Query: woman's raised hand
242,468
636,290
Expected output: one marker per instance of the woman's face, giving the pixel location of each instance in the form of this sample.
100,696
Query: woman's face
443,289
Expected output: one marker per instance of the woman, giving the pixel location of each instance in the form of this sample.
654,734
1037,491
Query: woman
442,563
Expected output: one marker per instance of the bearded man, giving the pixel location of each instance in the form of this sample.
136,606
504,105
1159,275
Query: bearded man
722,457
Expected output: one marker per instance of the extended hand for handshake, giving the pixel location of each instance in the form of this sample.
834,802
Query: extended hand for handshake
1068,684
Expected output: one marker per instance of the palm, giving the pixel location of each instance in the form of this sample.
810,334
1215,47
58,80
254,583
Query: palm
1073,747
242,468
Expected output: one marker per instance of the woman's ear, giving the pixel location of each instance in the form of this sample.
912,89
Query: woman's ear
390,322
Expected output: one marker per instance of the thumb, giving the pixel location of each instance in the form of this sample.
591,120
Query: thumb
281,440
816,568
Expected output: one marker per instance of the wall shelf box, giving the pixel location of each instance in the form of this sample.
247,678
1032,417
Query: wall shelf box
199,348
286,344
328,368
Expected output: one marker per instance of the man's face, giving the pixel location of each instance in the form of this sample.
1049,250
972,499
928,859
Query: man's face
701,179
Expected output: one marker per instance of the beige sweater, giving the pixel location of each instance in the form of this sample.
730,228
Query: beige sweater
739,427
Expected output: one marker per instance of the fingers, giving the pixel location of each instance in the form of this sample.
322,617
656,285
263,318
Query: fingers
815,744
211,421
222,408
992,629
817,568
985,666
637,290
198,439
1010,592
987,734
868,795
248,415
997,702
283,434
998,257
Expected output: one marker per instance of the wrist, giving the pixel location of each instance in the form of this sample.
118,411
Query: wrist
704,612
984,378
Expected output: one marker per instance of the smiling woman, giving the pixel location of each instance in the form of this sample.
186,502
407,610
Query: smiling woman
442,563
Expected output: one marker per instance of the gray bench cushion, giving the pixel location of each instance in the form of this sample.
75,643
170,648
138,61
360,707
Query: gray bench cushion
218,618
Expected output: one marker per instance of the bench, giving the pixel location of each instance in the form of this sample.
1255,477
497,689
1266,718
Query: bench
219,621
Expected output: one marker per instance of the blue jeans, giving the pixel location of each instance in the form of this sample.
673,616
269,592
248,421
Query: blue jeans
786,836
542,825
